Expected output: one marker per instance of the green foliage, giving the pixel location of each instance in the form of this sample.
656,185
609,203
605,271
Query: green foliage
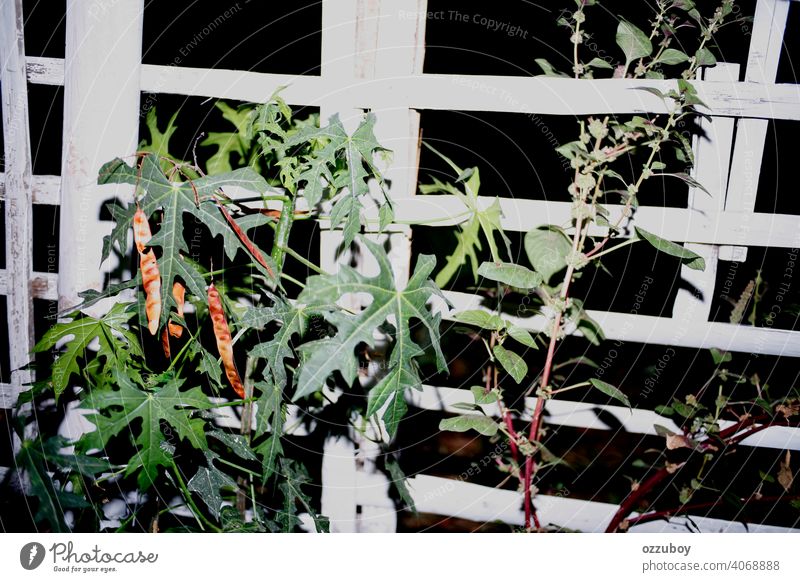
510,274
323,357
610,390
547,250
157,414
153,415
117,344
40,458
689,258
199,198
124,402
480,220
482,424
633,42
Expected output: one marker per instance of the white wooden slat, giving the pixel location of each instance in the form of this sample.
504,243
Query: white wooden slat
677,224
662,330
45,189
339,42
712,152
101,121
397,49
553,96
18,192
455,498
43,285
769,24
587,415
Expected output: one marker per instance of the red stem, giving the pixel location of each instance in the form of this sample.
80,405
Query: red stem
645,517
728,436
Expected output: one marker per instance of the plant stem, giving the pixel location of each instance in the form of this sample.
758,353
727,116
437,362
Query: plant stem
630,241
571,387
536,421
293,280
301,259
667,513
282,232
187,495
244,430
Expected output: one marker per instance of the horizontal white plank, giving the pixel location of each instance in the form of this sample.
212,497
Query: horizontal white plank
648,329
43,285
45,189
676,224
455,498
541,95
586,415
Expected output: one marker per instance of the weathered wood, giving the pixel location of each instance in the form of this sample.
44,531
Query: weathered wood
101,121
45,189
18,194
541,95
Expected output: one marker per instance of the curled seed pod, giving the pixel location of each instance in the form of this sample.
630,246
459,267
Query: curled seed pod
179,293
151,281
224,343
141,230
246,241
165,343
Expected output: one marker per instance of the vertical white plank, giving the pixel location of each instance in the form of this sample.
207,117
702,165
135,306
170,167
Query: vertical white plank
18,195
712,163
399,52
387,40
339,41
769,25
101,121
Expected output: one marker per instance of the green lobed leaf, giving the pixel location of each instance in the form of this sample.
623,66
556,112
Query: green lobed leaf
323,357
270,416
295,478
207,482
292,321
173,200
481,220
116,410
117,344
236,442
37,460
399,481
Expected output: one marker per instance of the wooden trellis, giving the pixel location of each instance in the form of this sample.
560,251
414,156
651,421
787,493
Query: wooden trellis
372,54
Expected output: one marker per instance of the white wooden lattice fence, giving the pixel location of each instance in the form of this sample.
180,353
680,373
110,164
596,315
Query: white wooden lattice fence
372,54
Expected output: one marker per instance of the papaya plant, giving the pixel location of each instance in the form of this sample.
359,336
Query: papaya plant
153,388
